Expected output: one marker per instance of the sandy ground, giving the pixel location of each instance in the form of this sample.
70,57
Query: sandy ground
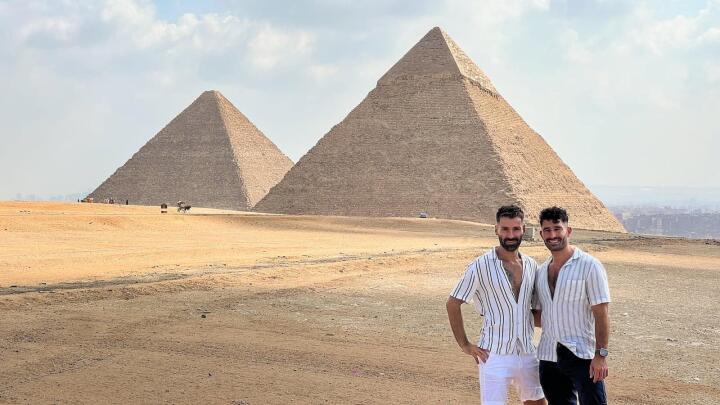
120,304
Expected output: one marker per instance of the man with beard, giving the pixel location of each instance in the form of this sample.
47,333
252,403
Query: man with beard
500,285
572,297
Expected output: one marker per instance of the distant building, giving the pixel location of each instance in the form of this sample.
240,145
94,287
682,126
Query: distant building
671,222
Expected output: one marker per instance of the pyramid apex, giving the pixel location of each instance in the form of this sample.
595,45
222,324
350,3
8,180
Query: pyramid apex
213,97
209,93
436,55
206,95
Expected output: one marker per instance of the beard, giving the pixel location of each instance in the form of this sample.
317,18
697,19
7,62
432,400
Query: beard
556,245
510,244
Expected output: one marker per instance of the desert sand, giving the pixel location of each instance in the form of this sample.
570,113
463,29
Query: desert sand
120,304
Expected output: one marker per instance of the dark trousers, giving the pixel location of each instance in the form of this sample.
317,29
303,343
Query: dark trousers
563,382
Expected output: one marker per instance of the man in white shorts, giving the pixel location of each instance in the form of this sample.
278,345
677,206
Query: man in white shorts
500,285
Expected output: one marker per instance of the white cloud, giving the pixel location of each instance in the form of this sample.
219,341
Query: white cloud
499,10
489,15
128,13
575,50
322,72
678,32
270,45
49,31
127,38
712,72
711,36
660,35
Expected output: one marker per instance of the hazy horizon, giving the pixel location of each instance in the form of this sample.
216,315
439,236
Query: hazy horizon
611,196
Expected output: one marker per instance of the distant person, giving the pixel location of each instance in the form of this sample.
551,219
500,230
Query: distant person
572,297
500,285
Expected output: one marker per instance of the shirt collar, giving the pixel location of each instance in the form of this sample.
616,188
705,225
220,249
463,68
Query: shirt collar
576,254
496,257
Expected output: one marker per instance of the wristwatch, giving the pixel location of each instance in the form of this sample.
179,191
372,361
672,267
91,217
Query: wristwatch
603,352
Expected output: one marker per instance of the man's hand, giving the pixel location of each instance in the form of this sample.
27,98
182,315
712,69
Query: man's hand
598,368
477,353
456,323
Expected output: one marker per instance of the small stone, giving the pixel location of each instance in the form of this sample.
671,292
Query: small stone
203,316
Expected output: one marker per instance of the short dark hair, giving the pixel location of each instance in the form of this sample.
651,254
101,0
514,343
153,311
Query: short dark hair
554,214
509,211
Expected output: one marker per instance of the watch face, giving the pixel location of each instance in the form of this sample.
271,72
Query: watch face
603,352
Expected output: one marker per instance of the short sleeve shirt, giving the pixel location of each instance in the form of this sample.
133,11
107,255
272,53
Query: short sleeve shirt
567,317
508,324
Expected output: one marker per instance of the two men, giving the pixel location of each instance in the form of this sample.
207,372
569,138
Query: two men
570,295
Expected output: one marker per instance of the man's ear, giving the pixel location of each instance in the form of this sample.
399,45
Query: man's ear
569,231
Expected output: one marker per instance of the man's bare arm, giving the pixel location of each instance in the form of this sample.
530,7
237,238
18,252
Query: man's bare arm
456,320
598,366
601,312
458,328
537,316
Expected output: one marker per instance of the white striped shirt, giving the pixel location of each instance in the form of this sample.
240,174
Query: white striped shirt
567,317
508,324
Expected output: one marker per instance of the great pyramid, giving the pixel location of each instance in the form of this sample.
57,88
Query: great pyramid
434,135
210,155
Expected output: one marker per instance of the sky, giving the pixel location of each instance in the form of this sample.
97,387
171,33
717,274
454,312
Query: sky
626,92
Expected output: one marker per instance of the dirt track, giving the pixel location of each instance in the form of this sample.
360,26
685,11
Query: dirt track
123,305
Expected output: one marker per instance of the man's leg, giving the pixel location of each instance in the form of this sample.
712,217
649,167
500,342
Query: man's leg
527,378
495,379
592,393
557,386
578,370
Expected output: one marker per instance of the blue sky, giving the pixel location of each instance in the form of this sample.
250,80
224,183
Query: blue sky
627,93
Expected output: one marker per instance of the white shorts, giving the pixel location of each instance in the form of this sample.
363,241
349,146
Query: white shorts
502,370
